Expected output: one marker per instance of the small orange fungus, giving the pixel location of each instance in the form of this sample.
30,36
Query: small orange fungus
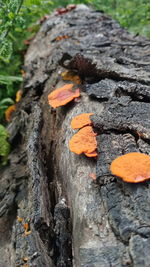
19,219
62,96
132,167
92,154
26,226
70,76
81,120
59,38
92,176
9,111
18,95
84,141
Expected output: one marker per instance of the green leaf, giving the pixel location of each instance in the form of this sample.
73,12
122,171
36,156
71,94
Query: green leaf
7,101
6,50
6,79
11,15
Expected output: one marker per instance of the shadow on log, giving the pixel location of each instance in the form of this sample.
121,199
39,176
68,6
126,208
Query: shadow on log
51,212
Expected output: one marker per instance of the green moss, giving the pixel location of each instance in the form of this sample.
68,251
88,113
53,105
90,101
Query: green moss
4,145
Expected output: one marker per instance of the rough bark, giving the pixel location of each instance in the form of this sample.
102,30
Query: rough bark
73,220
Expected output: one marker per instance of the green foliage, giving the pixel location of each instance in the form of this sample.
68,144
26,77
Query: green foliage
132,14
4,145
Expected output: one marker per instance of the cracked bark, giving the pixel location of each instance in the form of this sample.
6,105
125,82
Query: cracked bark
74,221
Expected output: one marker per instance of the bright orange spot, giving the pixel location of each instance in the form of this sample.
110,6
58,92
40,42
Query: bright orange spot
59,38
62,96
84,141
132,167
9,111
81,120
93,176
19,219
18,95
26,226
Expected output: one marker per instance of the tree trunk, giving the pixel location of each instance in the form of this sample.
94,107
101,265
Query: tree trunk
64,217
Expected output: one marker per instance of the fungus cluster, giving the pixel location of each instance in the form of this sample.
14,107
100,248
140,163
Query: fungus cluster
84,141
63,95
132,167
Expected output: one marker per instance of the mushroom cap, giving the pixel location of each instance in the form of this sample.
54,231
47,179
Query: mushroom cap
132,167
92,154
81,120
84,141
62,96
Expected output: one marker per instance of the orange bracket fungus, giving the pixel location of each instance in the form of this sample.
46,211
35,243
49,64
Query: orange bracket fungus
84,141
9,111
62,96
132,167
92,154
81,120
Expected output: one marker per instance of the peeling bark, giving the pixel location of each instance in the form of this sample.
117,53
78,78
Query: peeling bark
72,220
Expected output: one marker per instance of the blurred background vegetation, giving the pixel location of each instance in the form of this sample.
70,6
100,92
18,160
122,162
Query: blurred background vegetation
20,20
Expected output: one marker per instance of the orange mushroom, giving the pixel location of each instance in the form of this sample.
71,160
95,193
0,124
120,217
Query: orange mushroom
9,111
132,167
62,96
18,95
92,154
26,227
84,141
81,120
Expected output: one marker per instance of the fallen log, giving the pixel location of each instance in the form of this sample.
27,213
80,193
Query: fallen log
51,212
